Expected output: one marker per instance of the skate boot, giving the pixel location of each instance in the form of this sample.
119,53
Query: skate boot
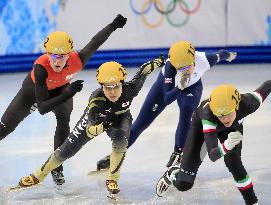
25,182
58,177
104,163
112,186
28,181
175,159
166,180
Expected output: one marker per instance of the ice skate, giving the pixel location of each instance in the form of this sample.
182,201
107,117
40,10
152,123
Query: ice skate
175,159
113,190
166,180
25,182
58,177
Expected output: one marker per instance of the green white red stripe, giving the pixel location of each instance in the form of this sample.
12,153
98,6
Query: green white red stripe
208,126
222,149
258,97
244,183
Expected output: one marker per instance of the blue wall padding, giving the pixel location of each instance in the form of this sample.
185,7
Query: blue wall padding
136,57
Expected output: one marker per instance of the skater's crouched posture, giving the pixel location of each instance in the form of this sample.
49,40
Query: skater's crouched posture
107,110
217,125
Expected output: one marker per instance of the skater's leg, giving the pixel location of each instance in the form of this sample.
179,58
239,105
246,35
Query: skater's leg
62,113
69,148
119,136
151,108
187,101
19,108
242,180
183,175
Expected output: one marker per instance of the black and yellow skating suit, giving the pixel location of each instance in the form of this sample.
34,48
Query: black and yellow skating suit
117,121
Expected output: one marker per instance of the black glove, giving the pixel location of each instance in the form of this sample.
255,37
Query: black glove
74,87
119,22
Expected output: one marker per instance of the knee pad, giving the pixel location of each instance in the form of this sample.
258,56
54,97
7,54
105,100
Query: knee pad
63,155
183,186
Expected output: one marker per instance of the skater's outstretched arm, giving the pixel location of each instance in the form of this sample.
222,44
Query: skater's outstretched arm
214,58
100,38
147,68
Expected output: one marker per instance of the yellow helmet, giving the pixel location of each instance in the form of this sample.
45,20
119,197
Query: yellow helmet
58,42
224,100
181,54
111,72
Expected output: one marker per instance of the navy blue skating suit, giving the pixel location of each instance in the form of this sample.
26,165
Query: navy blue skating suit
163,92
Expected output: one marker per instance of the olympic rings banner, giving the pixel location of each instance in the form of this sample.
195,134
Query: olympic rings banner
151,23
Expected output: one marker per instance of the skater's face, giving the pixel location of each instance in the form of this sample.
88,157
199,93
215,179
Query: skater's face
57,62
112,91
227,120
185,72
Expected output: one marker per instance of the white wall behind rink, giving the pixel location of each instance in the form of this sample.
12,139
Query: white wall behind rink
214,23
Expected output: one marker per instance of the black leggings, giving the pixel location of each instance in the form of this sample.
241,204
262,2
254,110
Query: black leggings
24,103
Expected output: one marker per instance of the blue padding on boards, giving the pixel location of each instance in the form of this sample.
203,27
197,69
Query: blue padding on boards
136,57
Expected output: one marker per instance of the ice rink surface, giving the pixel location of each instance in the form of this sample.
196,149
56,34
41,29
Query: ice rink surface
24,150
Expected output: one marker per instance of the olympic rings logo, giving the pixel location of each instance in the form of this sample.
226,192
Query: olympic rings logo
167,11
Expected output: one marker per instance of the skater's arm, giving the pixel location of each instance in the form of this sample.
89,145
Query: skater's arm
210,138
214,58
169,90
46,104
147,68
96,122
252,101
264,90
95,106
100,38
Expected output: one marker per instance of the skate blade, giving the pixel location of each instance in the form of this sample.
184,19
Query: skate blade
113,197
20,188
95,172
161,188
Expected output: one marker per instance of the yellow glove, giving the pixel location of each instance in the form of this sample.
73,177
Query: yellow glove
152,65
94,130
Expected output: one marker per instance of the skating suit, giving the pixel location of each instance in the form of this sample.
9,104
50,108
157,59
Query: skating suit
44,89
163,92
207,134
116,118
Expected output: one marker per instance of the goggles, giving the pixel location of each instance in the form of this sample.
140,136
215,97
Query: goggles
112,87
58,57
181,69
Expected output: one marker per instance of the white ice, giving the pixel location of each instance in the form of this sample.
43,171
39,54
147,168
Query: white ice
31,143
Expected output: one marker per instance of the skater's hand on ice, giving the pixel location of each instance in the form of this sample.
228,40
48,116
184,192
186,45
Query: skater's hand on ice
152,65
119,22
94,130
74,87
232,56
234,138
